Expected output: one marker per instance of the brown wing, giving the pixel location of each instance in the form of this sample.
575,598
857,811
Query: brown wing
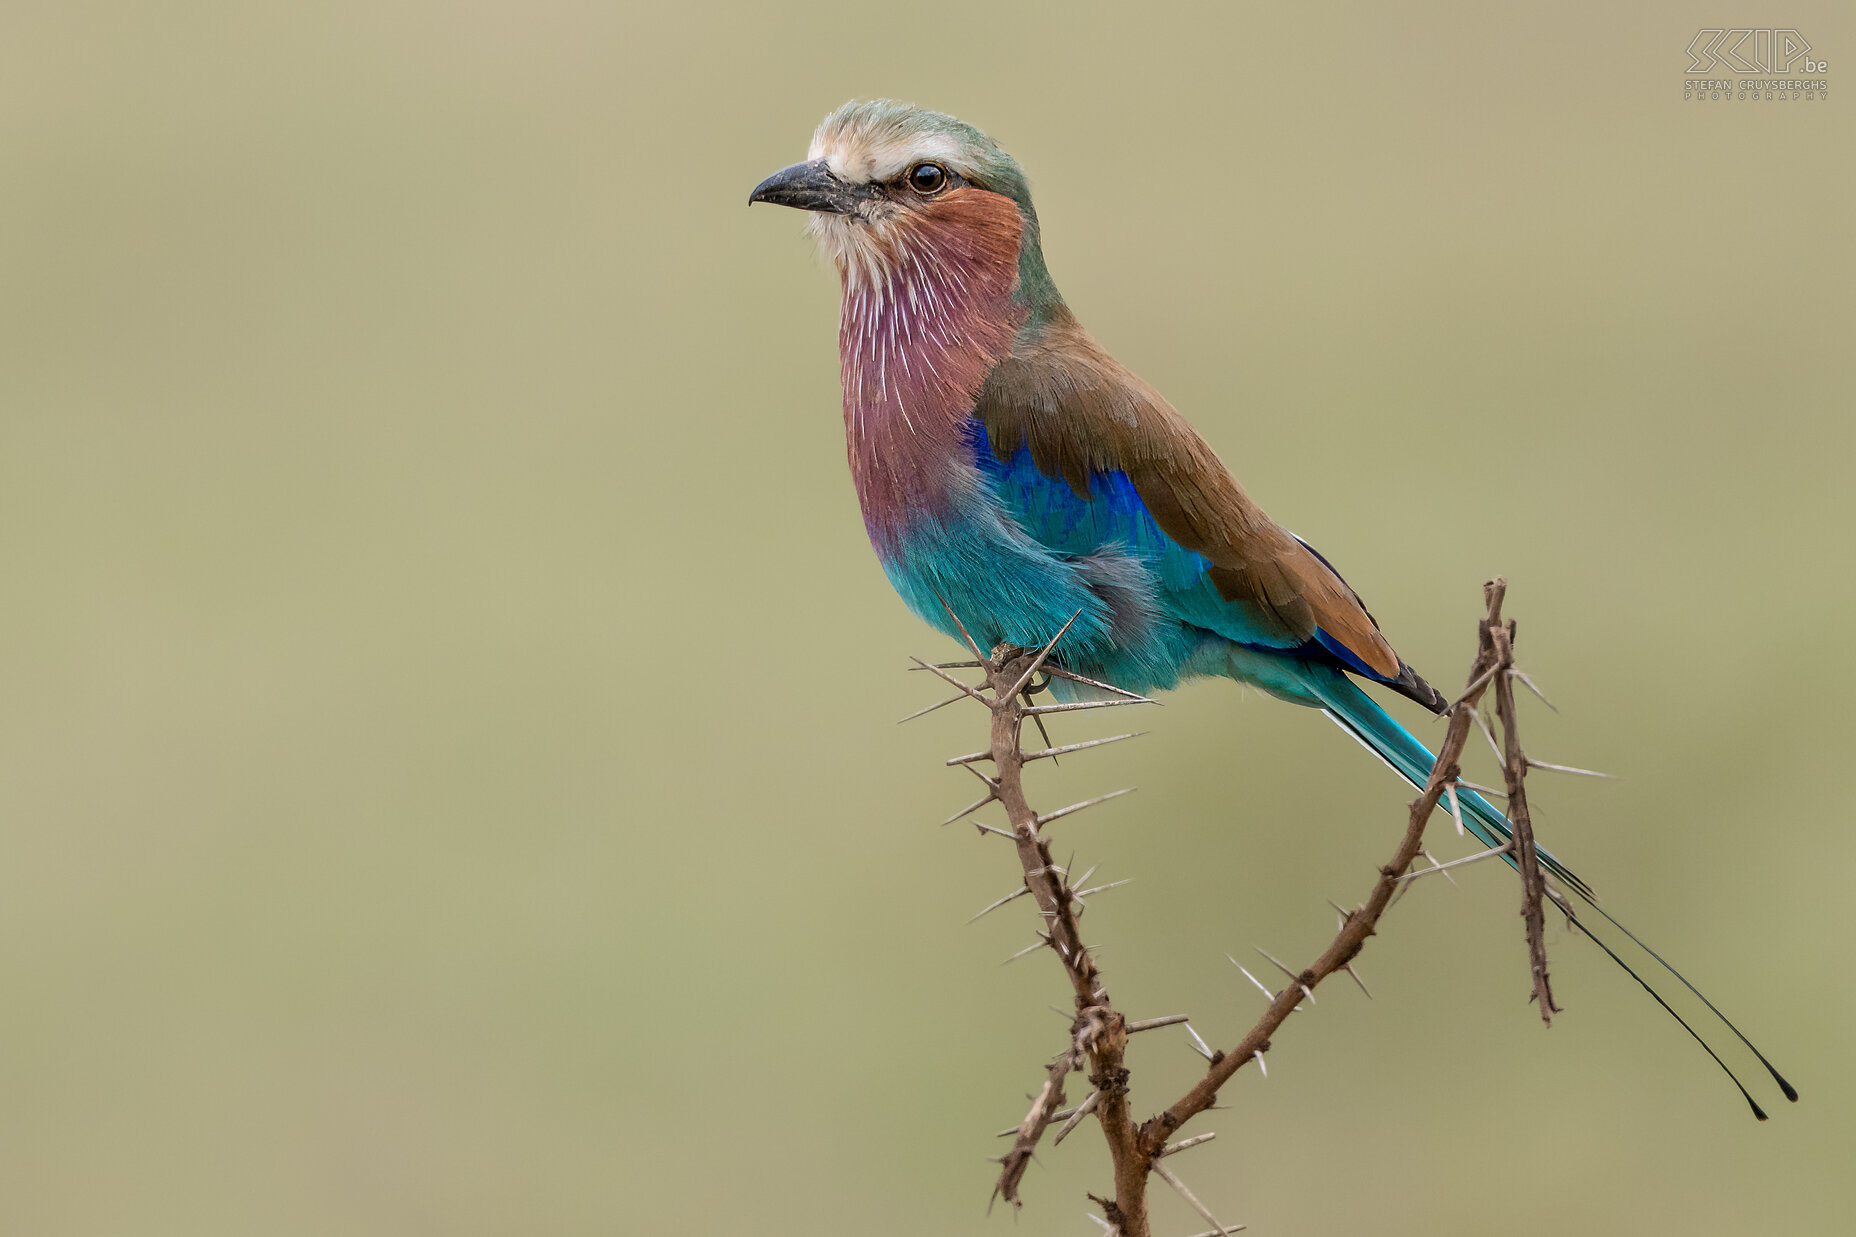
1082,413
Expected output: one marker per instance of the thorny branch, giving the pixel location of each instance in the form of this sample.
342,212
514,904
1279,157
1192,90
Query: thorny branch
1514,770
1098,1032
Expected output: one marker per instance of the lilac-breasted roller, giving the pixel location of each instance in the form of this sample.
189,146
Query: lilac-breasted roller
1012,475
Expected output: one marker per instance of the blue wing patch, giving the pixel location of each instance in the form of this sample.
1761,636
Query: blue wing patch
1113,518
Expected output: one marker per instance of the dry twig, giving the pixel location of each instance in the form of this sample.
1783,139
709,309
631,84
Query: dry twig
1098,1032
1514,770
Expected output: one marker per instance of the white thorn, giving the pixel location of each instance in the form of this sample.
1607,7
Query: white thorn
1293,977
1267,994
1204,1049
1061,812
1184,1144
1019,892
1541,764
1192,1200
1457,863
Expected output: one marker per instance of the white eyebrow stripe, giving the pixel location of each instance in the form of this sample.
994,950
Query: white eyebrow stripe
861,159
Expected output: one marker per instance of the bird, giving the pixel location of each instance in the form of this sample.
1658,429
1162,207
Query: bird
1017,482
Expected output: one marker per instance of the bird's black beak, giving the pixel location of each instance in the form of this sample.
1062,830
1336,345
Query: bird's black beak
808,186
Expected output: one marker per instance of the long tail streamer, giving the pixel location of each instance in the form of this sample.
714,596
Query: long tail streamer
1360,716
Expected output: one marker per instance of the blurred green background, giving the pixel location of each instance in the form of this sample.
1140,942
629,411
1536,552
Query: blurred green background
447,774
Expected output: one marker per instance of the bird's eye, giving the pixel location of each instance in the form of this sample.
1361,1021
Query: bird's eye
926,178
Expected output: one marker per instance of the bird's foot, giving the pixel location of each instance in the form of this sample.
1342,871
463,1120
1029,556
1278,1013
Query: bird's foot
1005,653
